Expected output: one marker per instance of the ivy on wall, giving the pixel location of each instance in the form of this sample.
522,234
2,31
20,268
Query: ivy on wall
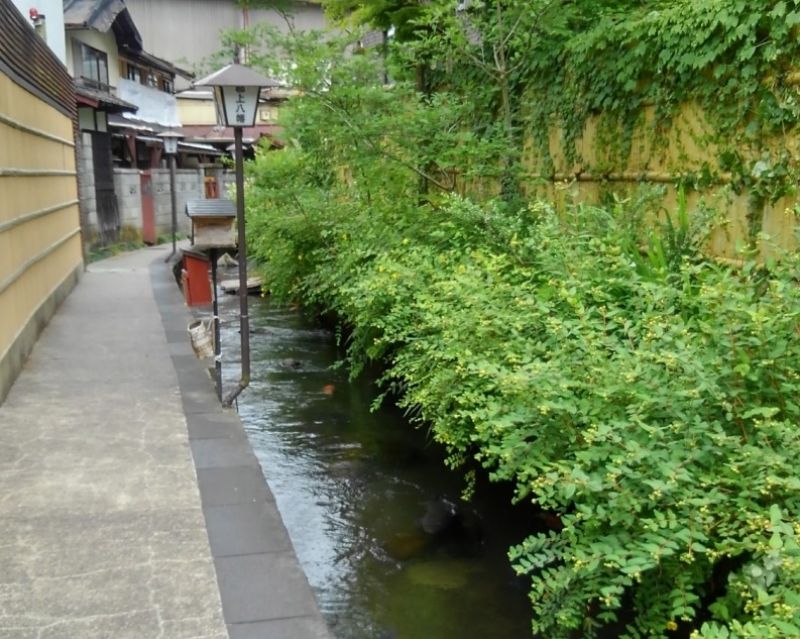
630,68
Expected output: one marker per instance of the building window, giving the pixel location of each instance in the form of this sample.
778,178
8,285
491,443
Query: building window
134,73
101,121
92,120
130,71
92,64
146,76
86,118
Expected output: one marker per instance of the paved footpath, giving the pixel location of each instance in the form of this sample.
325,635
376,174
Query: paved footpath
131,505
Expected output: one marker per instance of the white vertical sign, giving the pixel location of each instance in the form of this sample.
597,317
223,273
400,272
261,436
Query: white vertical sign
241,104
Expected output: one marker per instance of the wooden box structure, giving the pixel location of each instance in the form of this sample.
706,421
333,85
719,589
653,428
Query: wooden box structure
213,223
195,279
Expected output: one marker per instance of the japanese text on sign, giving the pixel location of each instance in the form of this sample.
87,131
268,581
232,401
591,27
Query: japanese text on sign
240,102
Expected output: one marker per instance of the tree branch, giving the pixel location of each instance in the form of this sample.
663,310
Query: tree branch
338,112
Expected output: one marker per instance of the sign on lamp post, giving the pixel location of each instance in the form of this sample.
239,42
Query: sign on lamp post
236,92
239,105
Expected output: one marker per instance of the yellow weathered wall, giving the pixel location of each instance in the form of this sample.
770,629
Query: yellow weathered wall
40,245
196,111
685,148
193,111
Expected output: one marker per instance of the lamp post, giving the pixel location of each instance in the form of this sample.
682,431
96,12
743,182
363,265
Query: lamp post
236,91
170,140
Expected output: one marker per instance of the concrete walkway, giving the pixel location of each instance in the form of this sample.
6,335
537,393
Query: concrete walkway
103,530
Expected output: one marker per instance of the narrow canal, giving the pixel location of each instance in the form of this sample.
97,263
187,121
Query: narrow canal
366,498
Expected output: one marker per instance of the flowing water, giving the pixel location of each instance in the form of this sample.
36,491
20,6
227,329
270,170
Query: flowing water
367,499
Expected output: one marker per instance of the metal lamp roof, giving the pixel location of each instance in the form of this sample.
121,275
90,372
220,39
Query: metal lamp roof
211,208
171,134
236,75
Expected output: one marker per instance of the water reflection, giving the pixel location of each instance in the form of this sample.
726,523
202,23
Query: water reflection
353,488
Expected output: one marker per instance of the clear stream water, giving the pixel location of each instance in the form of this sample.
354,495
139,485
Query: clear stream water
354,489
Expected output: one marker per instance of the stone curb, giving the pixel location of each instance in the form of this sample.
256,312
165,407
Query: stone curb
264,592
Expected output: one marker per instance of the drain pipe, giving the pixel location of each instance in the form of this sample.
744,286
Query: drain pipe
244,319
215,310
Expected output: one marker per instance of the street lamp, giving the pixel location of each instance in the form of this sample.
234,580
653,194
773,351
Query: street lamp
236,91
170,139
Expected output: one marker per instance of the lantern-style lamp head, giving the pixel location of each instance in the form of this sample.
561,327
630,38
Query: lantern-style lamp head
236,91
170,140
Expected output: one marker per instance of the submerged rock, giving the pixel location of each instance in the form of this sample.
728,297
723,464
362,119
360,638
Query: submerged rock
456,526
290,363
440,515
404,546
226,260
232,286
448,574
444,524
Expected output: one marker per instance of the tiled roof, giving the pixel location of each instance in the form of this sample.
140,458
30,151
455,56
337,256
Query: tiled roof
103,15
105,99
92,14
159,63
216,134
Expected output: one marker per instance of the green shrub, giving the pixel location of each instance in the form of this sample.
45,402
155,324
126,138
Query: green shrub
650,399
645,395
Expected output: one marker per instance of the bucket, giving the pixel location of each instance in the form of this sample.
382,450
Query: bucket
201,339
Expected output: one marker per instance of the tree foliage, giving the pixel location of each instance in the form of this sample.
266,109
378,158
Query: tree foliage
399,16
592,356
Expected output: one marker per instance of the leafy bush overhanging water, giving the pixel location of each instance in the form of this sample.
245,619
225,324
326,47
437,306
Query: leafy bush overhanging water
647,397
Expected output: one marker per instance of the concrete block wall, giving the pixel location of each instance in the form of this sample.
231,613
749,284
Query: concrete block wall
188,186
86,192
127,186
227,183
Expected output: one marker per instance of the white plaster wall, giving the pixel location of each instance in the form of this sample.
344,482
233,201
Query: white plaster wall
154,106
100,41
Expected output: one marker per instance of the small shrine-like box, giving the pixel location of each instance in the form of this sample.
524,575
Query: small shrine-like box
213,223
